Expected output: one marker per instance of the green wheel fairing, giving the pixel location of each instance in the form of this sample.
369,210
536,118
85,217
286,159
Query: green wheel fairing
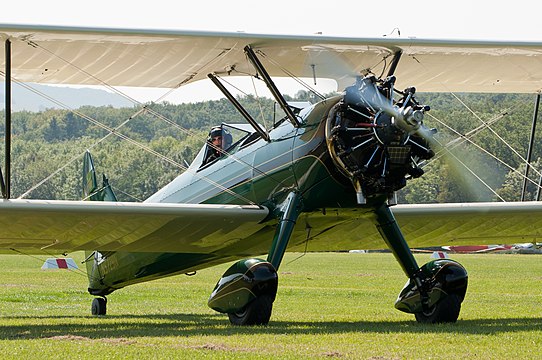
242,283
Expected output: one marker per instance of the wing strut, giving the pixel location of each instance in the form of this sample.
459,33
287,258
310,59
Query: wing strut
5,182
538,193
263,134
394,62
271,85
530,150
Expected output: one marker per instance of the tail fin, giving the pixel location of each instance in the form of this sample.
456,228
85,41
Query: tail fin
91,191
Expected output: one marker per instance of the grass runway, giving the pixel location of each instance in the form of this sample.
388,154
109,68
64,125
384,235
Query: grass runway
332,305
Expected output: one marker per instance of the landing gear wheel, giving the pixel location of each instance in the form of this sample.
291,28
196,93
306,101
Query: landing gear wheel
99,306
258,312
446,311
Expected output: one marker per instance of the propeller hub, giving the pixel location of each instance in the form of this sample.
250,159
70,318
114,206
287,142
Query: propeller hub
408,119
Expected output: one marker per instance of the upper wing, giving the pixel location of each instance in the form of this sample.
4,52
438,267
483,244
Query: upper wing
63,226
425,225
155,58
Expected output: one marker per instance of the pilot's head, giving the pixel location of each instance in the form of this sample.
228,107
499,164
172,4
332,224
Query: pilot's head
219,136
215,136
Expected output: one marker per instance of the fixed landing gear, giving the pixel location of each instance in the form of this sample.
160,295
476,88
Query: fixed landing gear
248,288
246,292
446,311
257,312
435,294
99,306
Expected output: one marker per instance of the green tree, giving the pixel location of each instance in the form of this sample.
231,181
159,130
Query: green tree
513,183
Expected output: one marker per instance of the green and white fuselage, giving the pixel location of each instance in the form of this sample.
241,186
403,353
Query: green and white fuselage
340,161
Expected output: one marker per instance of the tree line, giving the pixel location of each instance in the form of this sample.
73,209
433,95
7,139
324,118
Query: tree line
47,146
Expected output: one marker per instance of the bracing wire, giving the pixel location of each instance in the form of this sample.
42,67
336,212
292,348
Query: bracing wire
489,128
511,168
473,173
484,126
150,111
70,268
142,146
293,76
125,193
258,97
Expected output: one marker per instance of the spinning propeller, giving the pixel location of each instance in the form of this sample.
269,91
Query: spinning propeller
377,138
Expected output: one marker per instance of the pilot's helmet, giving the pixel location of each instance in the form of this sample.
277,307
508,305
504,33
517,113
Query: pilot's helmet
215,131
220,131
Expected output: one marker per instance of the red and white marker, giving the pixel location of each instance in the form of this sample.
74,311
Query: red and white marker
439,255
59,263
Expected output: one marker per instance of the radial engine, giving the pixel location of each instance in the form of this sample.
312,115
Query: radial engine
376,136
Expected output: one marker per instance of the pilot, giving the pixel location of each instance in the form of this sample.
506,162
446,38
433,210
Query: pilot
219,139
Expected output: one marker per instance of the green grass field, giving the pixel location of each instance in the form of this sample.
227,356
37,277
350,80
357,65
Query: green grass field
328,306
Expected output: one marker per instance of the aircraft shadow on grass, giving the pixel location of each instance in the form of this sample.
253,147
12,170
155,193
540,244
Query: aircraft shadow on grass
197,325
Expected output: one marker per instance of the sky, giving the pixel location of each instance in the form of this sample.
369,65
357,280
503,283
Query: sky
458,19
429,19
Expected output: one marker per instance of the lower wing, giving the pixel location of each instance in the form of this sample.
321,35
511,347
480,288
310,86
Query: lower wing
36,226
423,226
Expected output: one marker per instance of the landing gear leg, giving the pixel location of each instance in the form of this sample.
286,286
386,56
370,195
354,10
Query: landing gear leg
260,308
392,235
435,291
99,306
289,213
248,288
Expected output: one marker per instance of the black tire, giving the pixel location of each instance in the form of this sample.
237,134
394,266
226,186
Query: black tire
99,306
446,311
258,312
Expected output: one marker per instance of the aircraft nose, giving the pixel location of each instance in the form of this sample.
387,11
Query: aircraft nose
377,139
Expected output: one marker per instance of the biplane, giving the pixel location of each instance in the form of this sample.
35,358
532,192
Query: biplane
323,178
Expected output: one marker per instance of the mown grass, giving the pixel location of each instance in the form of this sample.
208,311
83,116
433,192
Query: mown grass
328,306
